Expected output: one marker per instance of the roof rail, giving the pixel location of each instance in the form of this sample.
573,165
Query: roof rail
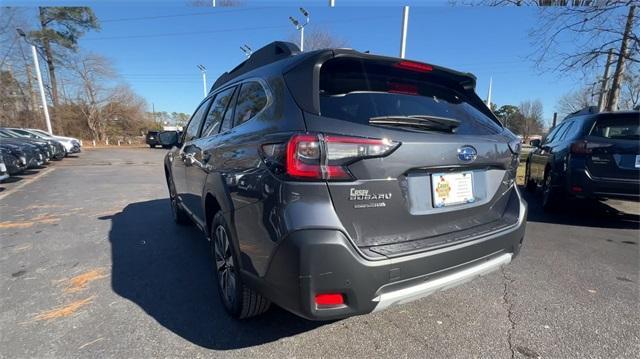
585,111
272,52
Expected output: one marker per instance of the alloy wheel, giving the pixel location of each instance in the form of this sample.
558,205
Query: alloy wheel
225,265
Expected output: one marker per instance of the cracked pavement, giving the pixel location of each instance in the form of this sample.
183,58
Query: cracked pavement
92,266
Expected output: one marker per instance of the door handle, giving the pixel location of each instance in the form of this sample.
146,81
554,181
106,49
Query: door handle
188,159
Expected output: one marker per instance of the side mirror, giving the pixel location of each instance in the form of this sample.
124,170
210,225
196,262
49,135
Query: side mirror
535,143
168,138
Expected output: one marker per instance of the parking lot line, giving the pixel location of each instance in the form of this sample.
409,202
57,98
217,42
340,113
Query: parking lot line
26,182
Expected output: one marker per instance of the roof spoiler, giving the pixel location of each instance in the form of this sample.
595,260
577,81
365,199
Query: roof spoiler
272,52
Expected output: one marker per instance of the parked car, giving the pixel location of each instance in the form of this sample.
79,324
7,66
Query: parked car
152,139
71,145
588,155
40,152
166,138
4,174
15,159
52,149
337,183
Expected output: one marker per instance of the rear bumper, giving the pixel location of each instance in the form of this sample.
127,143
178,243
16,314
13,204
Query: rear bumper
310,262
582,184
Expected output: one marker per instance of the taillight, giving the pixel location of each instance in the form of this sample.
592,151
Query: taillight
325,157
414,66
584,147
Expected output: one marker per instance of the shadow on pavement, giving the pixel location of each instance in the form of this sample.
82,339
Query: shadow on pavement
575,212
166,270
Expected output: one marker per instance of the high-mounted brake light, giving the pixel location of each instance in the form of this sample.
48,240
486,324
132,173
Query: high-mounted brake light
414,66
329,299
325,157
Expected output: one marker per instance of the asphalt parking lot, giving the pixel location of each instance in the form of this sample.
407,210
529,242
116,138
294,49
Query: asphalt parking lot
92,266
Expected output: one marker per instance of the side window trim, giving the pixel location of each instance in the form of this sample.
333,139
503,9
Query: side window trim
231,106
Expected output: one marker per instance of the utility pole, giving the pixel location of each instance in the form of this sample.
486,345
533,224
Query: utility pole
203,70
34,53
403,35
605,81
489,93
153,112
300,27
555,119
614,93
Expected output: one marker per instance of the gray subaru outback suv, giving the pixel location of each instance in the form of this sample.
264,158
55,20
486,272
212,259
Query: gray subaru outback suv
335,183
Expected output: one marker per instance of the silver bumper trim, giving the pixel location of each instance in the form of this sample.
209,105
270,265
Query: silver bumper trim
427,288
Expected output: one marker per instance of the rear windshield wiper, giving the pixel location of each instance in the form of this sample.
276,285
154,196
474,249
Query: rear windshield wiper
425,122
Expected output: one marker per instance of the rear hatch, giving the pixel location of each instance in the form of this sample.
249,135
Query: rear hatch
613,147
451,176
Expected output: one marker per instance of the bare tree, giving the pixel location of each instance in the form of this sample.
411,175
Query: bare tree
93,71
575,101
531,118
630,94
578,34
318,38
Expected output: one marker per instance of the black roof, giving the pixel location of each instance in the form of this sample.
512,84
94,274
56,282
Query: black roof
272,52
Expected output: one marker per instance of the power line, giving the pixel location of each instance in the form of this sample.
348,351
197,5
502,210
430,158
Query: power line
224,30
180,15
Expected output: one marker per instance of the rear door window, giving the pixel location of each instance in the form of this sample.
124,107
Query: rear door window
227,121
251,100
554,132
618,128
356,90
214,117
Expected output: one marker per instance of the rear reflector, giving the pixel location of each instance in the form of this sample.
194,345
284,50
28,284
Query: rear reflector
576,189
329,299
414,66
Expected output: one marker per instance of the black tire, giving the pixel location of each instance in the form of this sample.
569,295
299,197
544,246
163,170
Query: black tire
239,300
551,197
179,215
529,184
152,146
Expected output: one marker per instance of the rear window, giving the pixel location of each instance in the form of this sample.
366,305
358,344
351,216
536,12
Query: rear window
355,90
617,128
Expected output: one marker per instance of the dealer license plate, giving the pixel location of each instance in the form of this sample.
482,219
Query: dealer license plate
452,188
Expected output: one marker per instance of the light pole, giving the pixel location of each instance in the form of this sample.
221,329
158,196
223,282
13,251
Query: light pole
39,76
203,70
403,35
300,27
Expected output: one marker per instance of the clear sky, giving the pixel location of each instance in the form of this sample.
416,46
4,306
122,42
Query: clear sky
156,46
